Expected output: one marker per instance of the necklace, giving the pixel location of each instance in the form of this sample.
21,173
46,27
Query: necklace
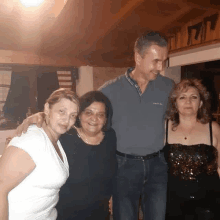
82,136
185,136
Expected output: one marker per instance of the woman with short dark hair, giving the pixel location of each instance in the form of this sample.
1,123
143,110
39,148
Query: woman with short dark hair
95,96
90,148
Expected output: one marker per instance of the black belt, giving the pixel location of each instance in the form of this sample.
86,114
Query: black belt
146,157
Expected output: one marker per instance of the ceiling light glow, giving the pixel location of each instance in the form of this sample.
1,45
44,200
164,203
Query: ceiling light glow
31,3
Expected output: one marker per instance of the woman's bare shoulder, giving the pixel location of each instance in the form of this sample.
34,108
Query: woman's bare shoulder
215,125
215,128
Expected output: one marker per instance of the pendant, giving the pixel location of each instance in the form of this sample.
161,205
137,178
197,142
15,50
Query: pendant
185,138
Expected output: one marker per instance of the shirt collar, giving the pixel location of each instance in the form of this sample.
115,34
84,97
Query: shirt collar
132,81
128,77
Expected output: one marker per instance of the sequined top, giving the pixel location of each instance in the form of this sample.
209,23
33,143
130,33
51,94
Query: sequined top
189,162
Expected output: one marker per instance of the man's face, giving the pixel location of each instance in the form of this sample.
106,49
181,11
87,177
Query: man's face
152,62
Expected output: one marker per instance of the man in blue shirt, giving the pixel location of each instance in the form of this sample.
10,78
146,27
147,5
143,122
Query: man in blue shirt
139,101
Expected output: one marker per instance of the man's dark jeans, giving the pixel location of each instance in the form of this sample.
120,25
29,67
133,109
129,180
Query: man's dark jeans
146,178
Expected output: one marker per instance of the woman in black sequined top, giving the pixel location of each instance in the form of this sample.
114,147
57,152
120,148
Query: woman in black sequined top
191,150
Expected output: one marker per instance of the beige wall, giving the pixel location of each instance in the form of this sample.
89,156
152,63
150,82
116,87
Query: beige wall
91,78
85,81
198,55
174,73
103,74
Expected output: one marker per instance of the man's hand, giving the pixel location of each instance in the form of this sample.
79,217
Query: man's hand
37,119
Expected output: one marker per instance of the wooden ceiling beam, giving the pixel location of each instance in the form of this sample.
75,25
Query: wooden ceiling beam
174,26
29,58
112,22
165,23
215,4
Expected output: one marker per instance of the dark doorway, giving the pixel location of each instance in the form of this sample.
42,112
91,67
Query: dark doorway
209,73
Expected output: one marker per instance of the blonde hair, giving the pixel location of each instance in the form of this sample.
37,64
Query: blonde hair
62,93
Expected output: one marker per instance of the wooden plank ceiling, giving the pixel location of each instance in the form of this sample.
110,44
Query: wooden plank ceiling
96,32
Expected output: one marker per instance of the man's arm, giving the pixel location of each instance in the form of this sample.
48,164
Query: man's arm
15,166
37,119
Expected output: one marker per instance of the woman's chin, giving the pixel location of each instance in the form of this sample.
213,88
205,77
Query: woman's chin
63,131
189,114
93,131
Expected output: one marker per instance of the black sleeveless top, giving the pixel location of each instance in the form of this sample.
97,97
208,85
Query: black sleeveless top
191,162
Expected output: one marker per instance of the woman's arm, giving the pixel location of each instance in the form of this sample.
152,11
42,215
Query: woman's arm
110,204
216,141
15,166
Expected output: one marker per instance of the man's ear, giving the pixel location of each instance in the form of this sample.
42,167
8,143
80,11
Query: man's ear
46,108
137,58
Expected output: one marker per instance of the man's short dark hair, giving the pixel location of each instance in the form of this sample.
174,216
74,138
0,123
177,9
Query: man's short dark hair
148,39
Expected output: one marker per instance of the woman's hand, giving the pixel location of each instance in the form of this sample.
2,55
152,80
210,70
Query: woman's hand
110,204
37,119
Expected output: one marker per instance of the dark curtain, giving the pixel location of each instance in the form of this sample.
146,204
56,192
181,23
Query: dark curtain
17,101
46,83
29,89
